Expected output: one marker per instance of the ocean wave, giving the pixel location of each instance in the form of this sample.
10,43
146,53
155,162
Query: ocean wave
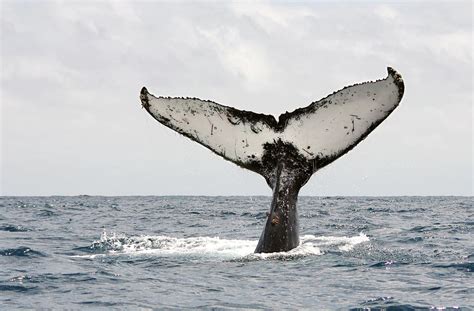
389,303
14,288
12,228
463,266
20,252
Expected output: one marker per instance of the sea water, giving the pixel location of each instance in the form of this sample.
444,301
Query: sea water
90,252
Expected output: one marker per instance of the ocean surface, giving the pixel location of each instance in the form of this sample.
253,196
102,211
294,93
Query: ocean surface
356,253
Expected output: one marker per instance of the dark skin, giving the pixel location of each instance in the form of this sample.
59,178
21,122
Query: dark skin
290,173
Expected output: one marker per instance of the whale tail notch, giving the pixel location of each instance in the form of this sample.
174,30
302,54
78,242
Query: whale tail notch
317,134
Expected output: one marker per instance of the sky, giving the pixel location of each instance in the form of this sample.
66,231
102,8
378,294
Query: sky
71,72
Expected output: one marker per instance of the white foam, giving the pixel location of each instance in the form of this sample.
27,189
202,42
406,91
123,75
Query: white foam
303,250
343,243
213,247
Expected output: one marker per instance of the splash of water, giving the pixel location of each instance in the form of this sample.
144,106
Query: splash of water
212,247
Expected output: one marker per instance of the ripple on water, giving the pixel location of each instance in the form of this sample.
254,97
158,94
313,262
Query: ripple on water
386,264
390,304
464,266
15,288
21,252
47,213
377,256
13,228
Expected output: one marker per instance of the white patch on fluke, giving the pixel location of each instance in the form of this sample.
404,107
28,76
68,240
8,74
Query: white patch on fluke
214,126
343,119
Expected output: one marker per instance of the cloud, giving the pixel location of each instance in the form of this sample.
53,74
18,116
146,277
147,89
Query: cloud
271,17
71,73
243,59
386,12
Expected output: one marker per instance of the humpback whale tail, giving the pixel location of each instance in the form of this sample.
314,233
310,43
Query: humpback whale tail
287,151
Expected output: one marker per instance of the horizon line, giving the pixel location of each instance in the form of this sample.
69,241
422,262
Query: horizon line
245,195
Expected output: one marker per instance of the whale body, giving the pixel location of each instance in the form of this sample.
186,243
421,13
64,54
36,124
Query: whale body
287,151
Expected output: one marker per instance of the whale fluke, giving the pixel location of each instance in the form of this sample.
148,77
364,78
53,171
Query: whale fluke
287,151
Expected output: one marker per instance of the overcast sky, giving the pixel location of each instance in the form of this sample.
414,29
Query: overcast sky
71,74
